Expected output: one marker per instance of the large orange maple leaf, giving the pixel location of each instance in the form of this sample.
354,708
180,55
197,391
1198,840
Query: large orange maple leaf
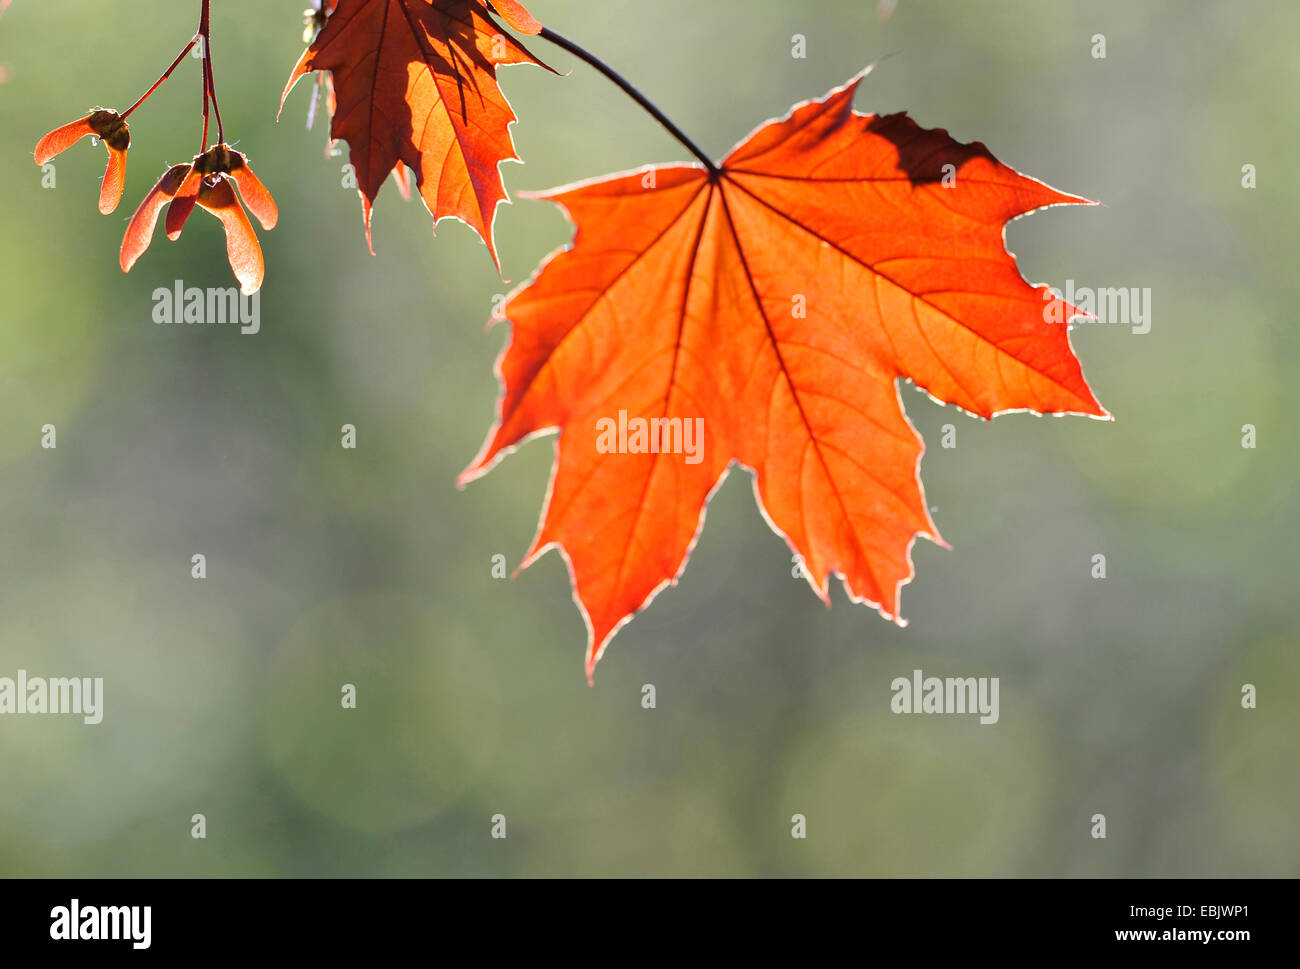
415,86
763,313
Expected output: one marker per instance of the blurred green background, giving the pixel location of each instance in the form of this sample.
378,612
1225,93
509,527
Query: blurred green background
327,566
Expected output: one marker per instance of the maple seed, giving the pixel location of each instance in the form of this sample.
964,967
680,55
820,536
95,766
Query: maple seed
216,163
140,230
206,183
110,128
224,160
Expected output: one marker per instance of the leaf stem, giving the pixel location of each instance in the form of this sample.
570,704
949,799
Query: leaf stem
166,74
210,85
203,34
583,54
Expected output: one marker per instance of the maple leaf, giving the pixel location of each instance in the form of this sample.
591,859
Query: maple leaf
416,85
771,306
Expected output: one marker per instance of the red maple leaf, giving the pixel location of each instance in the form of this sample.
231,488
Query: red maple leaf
763,313
416,86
